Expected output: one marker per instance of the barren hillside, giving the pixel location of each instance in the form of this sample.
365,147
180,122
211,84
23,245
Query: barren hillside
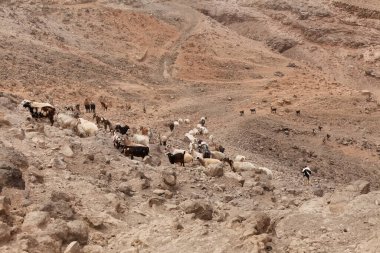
186,59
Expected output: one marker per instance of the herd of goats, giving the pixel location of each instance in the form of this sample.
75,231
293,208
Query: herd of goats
134,142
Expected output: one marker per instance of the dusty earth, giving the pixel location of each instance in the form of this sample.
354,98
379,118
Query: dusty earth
187,59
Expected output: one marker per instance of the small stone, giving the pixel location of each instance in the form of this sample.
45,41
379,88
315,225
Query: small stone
78,231
35,219
73,247
67,151
5,233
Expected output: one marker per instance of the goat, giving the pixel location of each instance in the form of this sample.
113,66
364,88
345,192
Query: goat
121,129
139,151
307,173
92,107
87,105
320,128
242,113
144,130
40,110
107,123
177,158
97,118
85,128
66,121
171,126
207,161
298,112
203,121
104,105
253,110
273,109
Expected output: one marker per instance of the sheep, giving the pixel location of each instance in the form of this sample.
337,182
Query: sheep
177,158
188,158
194,131
244,166
85,128
40,110
164,138
207,161
121,129
187,121
141,139
66,121
273,109
242,113
218,155
306,173
239,158
253,110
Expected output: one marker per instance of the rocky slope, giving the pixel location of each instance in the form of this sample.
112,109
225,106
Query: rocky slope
187,59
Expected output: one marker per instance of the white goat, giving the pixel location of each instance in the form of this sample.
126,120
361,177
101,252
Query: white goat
239,158
85,127
66,121
140,139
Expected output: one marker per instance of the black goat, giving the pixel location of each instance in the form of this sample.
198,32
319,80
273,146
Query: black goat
121,129
253,110
177,158
241,113
139,151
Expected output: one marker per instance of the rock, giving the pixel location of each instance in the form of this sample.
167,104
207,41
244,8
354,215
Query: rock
125,188
361,186
66,151
13,158
95,221
47,244
366,92
78,231
201,210
260,222
318,192
57,195
18,133
235,176
36,177
35,220
93,249
91,157
11,177
59,209
214,170
291,65
169,178
73,247
5,203
156,201
5,233
152,161
281,44
57,229
57,163
278,73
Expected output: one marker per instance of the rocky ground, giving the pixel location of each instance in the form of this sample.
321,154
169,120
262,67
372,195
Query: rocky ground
187,59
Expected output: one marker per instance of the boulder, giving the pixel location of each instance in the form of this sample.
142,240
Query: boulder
169,178
66,151
11,177
58,195
59,209
58,163
235,176
5,203
281,44
214,170
18,133
201,210
125,188
5,233
57,229
78,231
35,219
